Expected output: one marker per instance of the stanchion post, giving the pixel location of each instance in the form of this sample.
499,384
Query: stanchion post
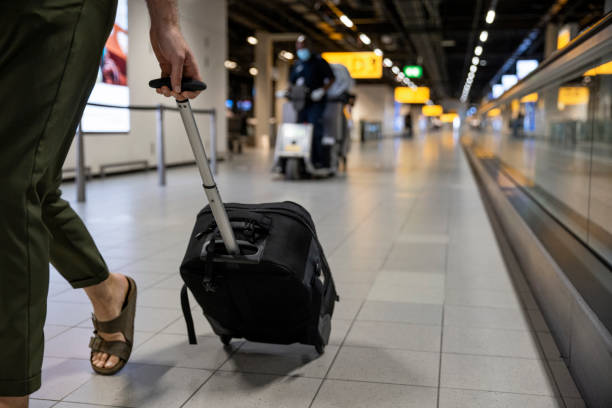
80,164
213,140
161,147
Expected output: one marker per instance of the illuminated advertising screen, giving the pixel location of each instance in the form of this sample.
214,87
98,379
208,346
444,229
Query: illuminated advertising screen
498,90
524,67
508,81
111,84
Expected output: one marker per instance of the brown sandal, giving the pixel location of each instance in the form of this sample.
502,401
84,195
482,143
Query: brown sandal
124,324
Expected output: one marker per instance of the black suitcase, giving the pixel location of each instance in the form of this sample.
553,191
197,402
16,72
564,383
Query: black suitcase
272,284
279,290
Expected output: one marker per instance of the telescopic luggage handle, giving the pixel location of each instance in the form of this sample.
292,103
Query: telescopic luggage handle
210,187
187,84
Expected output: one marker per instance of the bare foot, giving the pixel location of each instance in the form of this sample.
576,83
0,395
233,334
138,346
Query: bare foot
107,299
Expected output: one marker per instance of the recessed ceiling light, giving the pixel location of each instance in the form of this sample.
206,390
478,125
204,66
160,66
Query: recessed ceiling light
395,70
252,40
378,52
230,64
346,21
387,62
286,55
475,60
490,16
483,36
478,50
365,39
253,71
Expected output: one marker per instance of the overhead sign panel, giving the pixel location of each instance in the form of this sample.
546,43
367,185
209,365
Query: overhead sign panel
413,71
406,94
572,95
361,65
603,69
564,37
494,112
532,97
448,117
432,110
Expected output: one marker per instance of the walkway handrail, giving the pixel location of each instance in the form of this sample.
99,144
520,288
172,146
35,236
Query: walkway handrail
80,175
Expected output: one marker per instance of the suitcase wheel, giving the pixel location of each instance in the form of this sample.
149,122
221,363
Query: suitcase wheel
320,348
225,339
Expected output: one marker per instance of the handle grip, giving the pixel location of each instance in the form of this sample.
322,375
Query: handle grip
187,84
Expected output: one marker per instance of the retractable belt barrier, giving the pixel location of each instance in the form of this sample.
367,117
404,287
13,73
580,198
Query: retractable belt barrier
81,168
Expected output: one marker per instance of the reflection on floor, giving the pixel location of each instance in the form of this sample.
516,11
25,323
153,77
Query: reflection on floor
430,316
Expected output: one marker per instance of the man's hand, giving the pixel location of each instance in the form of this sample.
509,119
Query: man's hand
175,58
317,94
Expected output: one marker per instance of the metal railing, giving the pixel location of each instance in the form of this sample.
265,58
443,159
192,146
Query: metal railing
80,168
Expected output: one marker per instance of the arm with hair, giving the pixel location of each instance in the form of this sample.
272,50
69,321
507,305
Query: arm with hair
174,55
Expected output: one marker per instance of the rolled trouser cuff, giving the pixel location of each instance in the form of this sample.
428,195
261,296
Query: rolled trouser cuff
19,388
100,277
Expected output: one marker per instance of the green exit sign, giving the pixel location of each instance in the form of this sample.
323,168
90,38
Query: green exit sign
413,71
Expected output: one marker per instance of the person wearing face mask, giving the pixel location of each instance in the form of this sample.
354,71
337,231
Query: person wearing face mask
313,72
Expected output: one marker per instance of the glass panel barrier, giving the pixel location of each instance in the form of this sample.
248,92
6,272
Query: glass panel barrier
557,144
600,208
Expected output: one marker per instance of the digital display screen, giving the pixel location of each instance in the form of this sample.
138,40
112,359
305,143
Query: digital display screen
111,86
524,67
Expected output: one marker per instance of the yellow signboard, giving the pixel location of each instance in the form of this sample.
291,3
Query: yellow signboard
563,38
516,107
360,64
572,95
494,112
603,69
432,110
448,117
406,94
532,97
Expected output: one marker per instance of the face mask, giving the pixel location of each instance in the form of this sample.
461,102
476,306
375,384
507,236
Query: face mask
303,54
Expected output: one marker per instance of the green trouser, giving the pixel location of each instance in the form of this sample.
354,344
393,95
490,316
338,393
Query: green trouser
50,51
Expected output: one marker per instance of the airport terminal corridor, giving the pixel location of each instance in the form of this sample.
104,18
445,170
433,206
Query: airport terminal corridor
430,314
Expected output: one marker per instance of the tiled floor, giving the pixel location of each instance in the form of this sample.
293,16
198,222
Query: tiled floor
430,316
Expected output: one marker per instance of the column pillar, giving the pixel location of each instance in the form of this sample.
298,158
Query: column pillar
263,87
550,41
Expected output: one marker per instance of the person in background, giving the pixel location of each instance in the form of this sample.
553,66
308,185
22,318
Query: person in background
50,53
313,72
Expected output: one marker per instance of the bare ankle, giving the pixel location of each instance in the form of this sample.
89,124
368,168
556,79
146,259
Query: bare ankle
107,294
14,402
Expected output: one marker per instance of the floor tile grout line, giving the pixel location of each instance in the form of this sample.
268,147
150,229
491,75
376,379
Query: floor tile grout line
557,397
336,355
446,255
352,231
135,348
347,332
215,371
